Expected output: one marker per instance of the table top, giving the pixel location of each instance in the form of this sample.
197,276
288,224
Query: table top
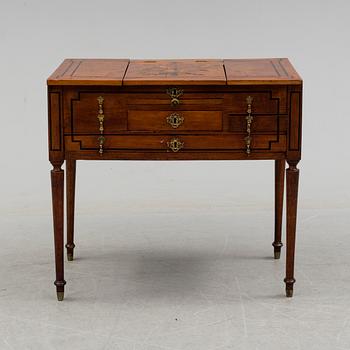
263,71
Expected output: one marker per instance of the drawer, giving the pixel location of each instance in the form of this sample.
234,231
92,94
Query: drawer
264,102
86,108
177,98
139,120
169,143
260,123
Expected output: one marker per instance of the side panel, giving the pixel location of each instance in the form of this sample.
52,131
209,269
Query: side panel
55,125
295,123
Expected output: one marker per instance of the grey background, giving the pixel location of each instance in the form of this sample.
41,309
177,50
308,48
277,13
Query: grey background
174,255
36,36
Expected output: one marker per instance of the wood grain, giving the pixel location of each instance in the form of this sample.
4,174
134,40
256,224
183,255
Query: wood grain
179,72
70,197
168,72
213,142
89,72
261,71
292,175
57,183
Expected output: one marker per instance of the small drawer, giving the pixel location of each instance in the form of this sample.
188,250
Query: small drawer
177,121
260,123
262,102
88,106
179,100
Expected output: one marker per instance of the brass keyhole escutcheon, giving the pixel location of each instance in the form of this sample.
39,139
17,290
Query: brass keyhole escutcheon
175,144
175,120
174,94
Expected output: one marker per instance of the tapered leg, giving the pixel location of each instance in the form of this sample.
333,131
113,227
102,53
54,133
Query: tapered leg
279,189
57,183
70,192
292,203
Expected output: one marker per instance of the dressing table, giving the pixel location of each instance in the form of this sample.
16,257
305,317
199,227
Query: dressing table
191,109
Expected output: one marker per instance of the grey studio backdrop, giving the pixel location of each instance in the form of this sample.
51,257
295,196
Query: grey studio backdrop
37,35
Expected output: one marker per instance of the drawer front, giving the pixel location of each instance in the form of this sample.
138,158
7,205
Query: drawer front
262,102
178,143
259,123
139,120
87,107
177,98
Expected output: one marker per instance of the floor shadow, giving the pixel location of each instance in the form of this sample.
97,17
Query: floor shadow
156,274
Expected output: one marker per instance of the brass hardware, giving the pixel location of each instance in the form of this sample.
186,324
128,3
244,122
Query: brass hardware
101,141
70,249
175,144
101,117
60,296
249,119
175,120
174,94
289,293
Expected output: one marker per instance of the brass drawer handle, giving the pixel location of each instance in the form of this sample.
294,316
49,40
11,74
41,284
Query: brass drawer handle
249,119
175,120
101,141
175,144
101,117
174,94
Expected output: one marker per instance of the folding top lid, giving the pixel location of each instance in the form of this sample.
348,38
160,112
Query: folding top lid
261,71
89,72
165,72
175,72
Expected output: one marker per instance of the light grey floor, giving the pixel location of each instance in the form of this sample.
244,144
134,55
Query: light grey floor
176,279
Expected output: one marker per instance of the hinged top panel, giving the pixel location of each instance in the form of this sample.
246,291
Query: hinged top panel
89,72
260,71
180,72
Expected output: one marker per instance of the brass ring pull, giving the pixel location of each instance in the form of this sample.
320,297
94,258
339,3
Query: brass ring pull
175,120
175,144
101,139
249,119
174,94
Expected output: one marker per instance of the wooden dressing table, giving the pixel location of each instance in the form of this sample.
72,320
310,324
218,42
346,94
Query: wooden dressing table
110,109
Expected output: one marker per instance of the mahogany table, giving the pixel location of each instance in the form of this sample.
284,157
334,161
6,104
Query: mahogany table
106,109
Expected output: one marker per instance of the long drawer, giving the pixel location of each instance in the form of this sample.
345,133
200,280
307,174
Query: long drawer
178,143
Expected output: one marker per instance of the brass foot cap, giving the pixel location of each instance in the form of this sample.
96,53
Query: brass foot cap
70,257
60,296
277,255
289,293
